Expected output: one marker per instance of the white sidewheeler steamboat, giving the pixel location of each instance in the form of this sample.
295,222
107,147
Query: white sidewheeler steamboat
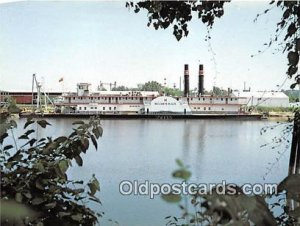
147,104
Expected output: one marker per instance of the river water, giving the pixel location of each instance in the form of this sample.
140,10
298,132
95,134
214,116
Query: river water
142,150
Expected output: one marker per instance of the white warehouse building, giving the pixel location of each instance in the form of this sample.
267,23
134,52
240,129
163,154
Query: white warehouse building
263,98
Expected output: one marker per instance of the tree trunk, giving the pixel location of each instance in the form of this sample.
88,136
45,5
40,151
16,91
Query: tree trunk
294,164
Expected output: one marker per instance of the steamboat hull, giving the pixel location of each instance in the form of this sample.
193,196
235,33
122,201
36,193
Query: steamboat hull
146,116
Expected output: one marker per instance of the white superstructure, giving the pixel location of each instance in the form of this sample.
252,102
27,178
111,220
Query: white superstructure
165,104
145,102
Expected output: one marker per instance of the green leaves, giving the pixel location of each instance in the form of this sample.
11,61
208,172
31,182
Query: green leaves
98,131
94,186
37,201
63,165
16,157
61,139
172,198
179,13
182,174
29,122
7,147
78,217
2,137
293,58
36,175
18,197
50,205
43,123
291,30
179,163
79,160
292,70
94,142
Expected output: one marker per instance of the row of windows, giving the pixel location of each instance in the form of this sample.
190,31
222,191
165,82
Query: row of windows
204,108
231,99
141,98
95,108
112,98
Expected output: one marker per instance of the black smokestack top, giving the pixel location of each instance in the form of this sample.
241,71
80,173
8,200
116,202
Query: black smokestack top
186,81
201,81
186,67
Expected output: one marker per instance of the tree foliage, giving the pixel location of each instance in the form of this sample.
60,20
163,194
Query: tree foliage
152,86
34,177
12,106
162,14
172,91
209,207
120,88
177,14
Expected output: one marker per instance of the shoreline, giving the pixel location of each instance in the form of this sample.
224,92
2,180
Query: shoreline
147,116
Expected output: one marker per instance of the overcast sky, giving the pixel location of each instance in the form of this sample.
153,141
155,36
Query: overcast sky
104,41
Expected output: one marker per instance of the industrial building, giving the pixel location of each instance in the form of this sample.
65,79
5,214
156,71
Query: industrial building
24,97
263,98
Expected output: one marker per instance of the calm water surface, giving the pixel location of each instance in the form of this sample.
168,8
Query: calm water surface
142,150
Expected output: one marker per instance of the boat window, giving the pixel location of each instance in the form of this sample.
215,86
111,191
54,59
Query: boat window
98,98
203,98
73,98
231,99
92,107
79,108
103,108
204,108
115,108
208,108
109,108
95,107
84,108
222,109
221,99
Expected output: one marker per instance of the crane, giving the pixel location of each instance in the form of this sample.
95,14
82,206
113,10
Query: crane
38,86
110,85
